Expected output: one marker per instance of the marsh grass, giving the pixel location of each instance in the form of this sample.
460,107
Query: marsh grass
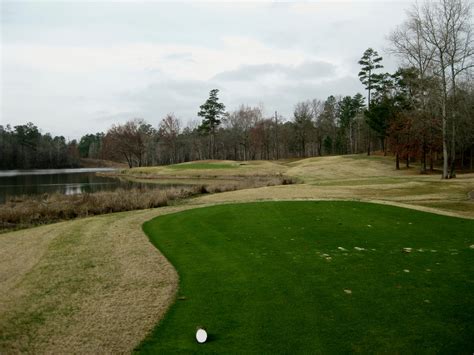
28,211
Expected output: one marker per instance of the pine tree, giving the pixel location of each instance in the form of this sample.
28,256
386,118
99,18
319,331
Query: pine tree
370,61
212,111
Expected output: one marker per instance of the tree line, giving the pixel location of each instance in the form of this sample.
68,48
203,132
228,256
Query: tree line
422,112
25,147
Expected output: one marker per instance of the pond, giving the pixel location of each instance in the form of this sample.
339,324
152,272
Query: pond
65,181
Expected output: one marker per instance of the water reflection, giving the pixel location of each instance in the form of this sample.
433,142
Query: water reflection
65,181
12,173
73,189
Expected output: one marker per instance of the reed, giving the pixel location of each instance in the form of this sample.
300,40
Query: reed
28,211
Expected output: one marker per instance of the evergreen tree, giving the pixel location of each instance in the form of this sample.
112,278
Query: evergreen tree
348,108
212,111
370,61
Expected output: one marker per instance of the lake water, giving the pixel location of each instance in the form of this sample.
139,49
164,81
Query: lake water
66,181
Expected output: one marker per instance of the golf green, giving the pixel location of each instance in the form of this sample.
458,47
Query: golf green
316,277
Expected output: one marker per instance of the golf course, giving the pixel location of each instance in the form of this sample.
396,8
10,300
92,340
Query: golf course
356,257
316,276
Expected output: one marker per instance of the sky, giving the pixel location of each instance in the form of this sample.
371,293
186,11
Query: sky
77,67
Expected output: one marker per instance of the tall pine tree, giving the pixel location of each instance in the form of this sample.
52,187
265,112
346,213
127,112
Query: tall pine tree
370,62
212,111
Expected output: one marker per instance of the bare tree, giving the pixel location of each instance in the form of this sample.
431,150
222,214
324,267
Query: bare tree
128,141
168,131
460,59
303,123
240,123
445,26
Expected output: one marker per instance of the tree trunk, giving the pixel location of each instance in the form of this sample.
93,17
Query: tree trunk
470,158
368,141
129,161
444,119
303,147
356,145
431,160
452,172
423,158
397,161
350,138
445,152
211,145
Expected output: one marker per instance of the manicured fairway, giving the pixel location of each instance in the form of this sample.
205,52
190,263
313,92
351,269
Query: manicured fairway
317,277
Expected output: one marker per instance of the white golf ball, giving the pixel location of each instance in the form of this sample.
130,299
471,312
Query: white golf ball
201,336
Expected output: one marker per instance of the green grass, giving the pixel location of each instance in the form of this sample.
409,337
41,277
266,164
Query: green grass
255,275
203,166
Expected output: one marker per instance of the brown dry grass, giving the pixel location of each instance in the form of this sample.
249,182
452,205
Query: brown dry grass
101,163
97,284
94,285
346,167
29,211
365,179
239,169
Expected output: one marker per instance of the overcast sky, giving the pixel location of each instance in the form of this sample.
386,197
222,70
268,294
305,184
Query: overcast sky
76,67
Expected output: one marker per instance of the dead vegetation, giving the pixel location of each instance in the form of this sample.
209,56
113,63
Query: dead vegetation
255,168
93,285
30,211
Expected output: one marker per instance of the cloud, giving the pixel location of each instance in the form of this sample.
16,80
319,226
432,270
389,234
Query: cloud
183,97
305,71
90,63
283,96
180,96
182,56
196,62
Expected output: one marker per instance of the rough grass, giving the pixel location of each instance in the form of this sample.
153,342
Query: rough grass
205,165
210,169
94,285
316,277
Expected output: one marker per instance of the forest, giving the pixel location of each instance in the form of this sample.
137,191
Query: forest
423,112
